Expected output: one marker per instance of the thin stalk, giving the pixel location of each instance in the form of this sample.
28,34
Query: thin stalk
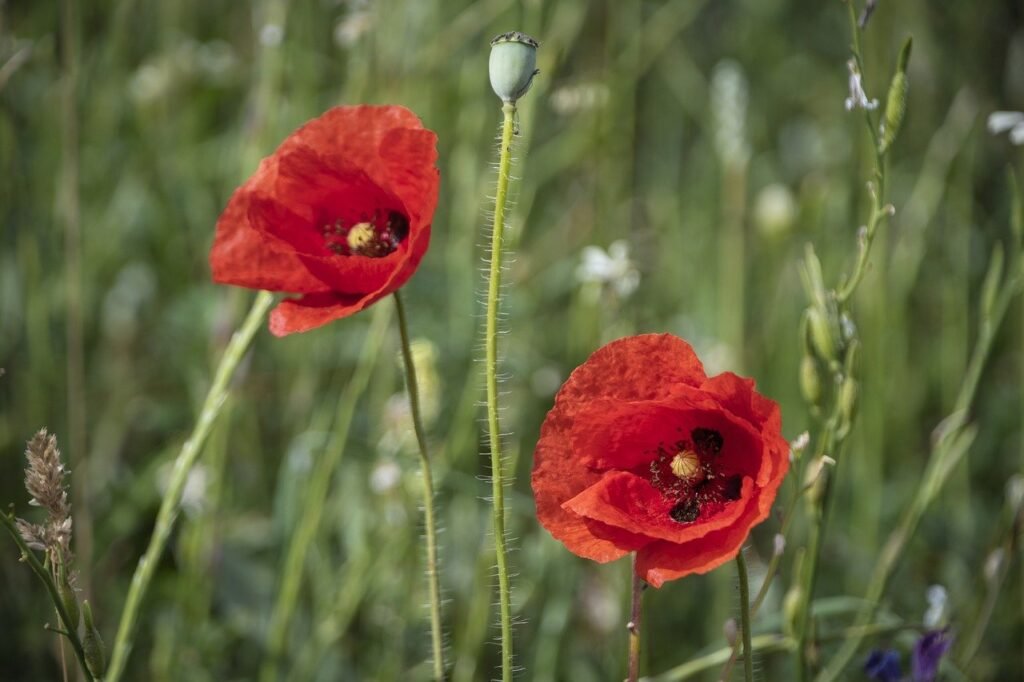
315,499
769,575
494,430
831,441
70,629
428,491
171,502
748,654
636,596
773,643
73,283
949,448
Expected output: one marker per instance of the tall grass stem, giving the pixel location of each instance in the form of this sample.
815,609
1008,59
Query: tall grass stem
70,629
171,502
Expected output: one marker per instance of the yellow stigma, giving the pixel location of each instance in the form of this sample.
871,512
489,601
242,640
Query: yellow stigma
359,236
686,465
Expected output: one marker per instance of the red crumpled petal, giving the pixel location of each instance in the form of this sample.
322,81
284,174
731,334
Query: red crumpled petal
351,161
609,434
628,502
589,479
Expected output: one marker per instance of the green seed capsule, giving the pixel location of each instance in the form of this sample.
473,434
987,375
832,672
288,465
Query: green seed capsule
810,380
822,336
92,644
847,406
69,599
896,102
513,64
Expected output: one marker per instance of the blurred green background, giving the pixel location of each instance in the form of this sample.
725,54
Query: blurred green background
708,135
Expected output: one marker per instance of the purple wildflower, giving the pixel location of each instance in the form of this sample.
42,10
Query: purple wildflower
928,653
883,666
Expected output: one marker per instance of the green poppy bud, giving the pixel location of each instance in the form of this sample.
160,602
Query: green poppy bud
92,644
513,65
896,102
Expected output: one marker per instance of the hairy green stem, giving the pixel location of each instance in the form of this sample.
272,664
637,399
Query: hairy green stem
316,498
748,653
70,629
171,502
428,492
636,611
494,430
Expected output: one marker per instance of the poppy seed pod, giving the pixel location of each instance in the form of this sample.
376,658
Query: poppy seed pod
513,64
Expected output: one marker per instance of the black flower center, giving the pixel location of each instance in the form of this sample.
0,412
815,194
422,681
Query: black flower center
372,236
688,473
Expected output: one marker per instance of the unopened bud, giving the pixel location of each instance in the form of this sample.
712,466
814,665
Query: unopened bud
810,380
729,629
69,599
779,544
896,102
513,64
792,603
847,405
822,337
815,478
92,644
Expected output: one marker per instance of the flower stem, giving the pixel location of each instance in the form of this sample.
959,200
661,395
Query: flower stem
187,457
832,437
70,629
633,626
748,658
494,430
428,492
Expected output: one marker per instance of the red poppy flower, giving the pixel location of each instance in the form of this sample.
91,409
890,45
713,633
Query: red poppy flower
644,453
340,214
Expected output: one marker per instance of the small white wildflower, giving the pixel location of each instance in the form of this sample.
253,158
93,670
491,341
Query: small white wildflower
613,268
857,96
572,99
730,630
779,544
729,96
774,210
1002,121
271,35
349,30
935,614
800,442
385,476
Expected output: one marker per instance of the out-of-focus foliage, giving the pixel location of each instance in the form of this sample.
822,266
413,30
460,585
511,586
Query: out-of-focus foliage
708,138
